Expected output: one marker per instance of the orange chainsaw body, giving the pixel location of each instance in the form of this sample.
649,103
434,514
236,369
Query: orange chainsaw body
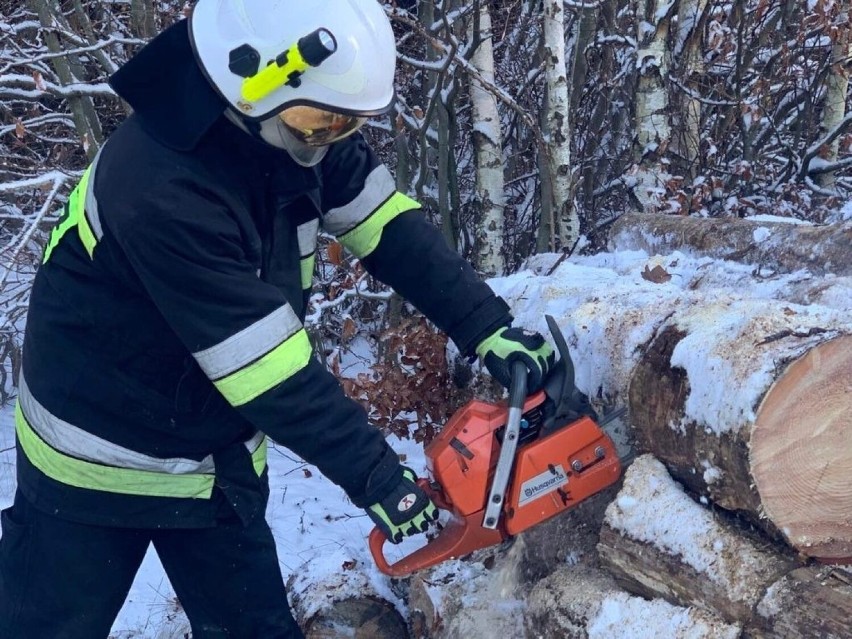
552,473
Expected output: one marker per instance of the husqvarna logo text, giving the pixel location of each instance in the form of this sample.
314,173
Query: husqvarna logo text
542,484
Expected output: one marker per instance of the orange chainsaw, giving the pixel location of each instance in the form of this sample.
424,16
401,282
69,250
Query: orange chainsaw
546,452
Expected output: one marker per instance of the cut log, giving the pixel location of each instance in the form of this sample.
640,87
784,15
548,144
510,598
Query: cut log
708,376
787,465
658,542
331,604
358,618
575,603
777,246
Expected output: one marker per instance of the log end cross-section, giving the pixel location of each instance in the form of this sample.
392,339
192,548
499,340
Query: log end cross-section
801,452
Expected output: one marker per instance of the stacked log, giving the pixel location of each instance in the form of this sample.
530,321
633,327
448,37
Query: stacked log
741,399
657,542
775,246
747,401
575,603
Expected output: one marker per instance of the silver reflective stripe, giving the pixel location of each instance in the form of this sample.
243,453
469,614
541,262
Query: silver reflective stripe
307,234
378,187
249,344
76,442
91,204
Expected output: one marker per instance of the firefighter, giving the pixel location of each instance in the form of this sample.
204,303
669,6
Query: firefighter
164,340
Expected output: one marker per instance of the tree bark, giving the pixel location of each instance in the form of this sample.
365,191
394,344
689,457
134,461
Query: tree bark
776,246
343,603
558,109
86,120
653,129
359,618
488,142
657,542
687,56
837,86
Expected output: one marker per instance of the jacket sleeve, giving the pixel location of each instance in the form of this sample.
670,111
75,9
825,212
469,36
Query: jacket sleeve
189,256
398,246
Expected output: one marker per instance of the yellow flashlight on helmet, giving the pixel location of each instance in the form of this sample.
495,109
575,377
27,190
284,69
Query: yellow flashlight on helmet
310,51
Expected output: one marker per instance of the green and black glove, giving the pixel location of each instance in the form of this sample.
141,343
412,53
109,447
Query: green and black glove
507,345
405,511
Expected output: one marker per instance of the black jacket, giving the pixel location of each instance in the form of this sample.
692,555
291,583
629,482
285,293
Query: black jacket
164,326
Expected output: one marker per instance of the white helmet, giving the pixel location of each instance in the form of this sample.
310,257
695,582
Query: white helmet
333,60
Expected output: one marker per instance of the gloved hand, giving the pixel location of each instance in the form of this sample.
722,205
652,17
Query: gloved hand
506,345
406,511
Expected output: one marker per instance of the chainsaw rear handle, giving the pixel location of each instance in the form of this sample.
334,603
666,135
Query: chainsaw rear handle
461,536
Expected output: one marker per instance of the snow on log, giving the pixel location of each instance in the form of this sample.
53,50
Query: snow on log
344,602
747,401
777,245
705,275
658,542
576,603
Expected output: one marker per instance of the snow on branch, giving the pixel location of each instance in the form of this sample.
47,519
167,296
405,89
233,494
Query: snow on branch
70,52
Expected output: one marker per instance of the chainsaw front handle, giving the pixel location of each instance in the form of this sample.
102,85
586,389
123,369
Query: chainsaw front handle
503,470
461,536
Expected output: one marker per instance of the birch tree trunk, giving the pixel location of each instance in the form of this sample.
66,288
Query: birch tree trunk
143,18
487,139
837,85
558,107
687,51
653,129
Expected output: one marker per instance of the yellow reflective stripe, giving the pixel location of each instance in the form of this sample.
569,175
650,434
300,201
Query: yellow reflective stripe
258,457
83,474
87,237
307,266
286,359
75,205
248,345
364,238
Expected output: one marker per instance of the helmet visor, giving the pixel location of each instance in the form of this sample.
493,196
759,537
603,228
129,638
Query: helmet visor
317,127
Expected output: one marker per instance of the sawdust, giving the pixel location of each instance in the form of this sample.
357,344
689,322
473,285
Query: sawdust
490,606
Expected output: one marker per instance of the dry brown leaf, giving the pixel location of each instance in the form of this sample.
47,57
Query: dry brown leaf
658,274
349,329
335,253
39,81
20,130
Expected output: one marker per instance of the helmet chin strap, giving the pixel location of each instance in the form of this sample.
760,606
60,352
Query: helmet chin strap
273,132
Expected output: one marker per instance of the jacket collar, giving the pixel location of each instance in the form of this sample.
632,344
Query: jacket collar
167,90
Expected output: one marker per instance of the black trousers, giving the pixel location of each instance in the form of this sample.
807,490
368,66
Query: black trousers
64,580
